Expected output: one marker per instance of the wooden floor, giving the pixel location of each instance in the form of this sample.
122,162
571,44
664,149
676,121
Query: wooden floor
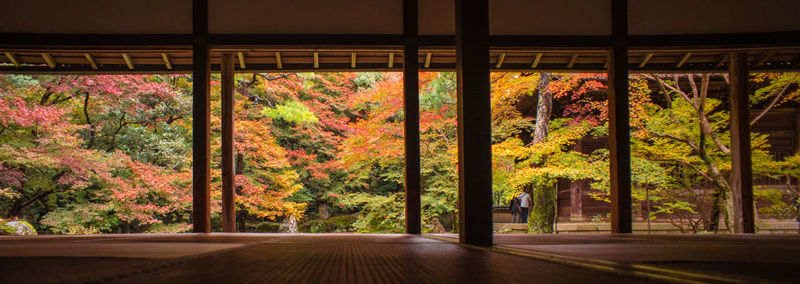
366,258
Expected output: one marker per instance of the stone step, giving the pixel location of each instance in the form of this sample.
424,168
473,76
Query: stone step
655,227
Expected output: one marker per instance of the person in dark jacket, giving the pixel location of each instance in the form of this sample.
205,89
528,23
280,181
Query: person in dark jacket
514,206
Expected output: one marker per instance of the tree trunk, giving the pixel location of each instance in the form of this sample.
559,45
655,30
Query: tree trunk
543,212
241,221
544,108
542,215
291,225
322,208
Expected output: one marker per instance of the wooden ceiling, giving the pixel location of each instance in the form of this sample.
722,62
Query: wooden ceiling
110,61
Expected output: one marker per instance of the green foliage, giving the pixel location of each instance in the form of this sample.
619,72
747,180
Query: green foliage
293,112
81,219
378,213
341,223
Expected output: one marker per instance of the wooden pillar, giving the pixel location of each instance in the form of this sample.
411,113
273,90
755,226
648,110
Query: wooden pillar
619,142
201,71
741,163
228,161
797,150
474,127
576,200
797,131
411,109
576,188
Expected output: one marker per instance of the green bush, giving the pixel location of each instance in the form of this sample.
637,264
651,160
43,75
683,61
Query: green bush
334,224
267,227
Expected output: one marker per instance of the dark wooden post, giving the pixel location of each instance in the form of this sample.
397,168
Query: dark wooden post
576,188
619,141
228,162
741,163
201,71
411,109
797,150
797,131
474,126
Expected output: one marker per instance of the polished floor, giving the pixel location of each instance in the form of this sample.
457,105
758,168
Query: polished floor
366,258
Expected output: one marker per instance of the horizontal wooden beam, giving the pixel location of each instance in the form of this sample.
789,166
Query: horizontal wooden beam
315,40
549,41
637,42
132,41
732,41
372,67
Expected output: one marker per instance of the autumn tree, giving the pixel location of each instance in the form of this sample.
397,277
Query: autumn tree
535,144
374,154
63,146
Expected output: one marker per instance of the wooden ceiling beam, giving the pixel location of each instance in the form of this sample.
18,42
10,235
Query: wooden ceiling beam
166,61
572,61
316,60
500,60
391,60
49,60
128,61
683,60
721,61
645,60
428,60
278,60
12,58
244,66
91,60
536,60
764,58
353,60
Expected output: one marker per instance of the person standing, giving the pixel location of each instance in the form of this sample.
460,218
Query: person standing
524,204
514,207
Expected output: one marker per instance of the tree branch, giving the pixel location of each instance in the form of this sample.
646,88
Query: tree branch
88,121
677,90
774,101
122,124
706,126
688,142
695,93
693,167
